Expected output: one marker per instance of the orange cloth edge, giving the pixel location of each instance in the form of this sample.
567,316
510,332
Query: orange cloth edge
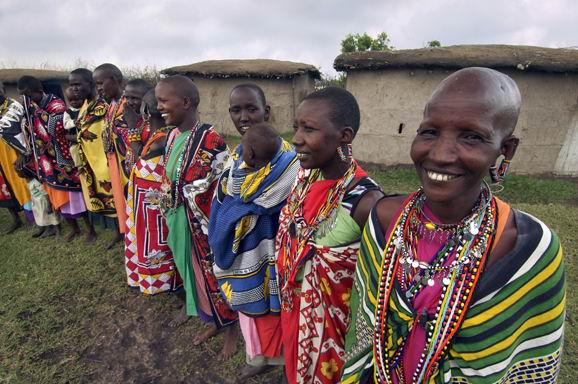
117,192
57,197
504,211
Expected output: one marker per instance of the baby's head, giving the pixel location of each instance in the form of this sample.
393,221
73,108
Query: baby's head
260,145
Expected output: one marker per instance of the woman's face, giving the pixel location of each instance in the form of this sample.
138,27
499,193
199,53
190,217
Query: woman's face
134,95
106,84
246,109
317,137
81,88
456,143
172,107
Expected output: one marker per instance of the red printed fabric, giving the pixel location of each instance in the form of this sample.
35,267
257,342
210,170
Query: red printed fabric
148,258
315,324
314,330
51,151
209,159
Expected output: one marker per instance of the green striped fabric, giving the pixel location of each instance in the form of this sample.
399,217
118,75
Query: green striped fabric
512,332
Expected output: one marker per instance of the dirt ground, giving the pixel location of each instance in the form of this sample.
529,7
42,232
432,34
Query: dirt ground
134,345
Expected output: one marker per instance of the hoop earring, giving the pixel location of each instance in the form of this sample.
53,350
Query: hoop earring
345,152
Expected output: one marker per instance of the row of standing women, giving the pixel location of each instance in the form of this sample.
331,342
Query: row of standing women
328,274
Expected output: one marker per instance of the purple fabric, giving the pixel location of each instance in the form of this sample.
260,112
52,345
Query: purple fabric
426,299
75,207
29,216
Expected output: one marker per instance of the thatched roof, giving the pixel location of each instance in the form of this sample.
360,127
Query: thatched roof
461,56
11,76
257,68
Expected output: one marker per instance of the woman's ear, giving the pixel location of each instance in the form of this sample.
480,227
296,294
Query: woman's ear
347,135
509,146
187,103
267,112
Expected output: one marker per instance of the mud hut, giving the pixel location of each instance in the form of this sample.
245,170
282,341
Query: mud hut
393,87
53,81
285,84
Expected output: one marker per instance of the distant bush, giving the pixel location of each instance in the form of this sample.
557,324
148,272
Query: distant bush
331,81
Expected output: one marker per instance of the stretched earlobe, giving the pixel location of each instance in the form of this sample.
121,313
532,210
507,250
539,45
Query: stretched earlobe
509,147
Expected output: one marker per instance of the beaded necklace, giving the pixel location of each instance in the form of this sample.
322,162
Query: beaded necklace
108,124
470,242
301,232
170,196
416,274
4,106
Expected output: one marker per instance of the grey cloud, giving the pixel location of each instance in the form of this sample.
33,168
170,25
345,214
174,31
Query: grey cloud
173,32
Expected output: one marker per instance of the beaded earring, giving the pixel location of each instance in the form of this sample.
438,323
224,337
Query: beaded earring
494,175
503,169
498,174
345,152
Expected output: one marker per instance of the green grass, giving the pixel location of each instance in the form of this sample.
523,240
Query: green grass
67,315
517,188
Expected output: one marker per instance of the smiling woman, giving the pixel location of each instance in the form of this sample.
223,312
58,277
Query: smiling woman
319,234
452,284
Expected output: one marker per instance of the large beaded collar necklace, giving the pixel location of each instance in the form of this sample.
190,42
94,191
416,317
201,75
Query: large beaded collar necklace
467,242
299,231
170,197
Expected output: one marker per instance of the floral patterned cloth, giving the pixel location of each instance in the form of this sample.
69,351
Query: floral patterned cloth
51,159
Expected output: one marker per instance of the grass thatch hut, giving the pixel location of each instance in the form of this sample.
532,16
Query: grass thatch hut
393,87
285,84
53,81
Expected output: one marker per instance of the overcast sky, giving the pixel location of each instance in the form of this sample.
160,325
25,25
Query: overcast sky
164,33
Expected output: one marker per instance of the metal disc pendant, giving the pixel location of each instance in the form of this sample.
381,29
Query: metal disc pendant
408,294
446,281
415,263
473,228
431,282
402,260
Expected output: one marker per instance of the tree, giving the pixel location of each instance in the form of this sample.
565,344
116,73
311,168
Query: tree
364,42
331,81
433,44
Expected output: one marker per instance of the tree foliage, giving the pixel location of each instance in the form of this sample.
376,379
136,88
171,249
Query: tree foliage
363,42
331,81
433,44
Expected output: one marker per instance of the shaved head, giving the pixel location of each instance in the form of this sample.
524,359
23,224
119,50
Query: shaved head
497,91
111,70
183,87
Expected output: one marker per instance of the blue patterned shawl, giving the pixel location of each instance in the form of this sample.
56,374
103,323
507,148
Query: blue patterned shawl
242,229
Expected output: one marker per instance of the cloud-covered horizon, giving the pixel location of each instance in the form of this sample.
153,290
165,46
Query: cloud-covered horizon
161,34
